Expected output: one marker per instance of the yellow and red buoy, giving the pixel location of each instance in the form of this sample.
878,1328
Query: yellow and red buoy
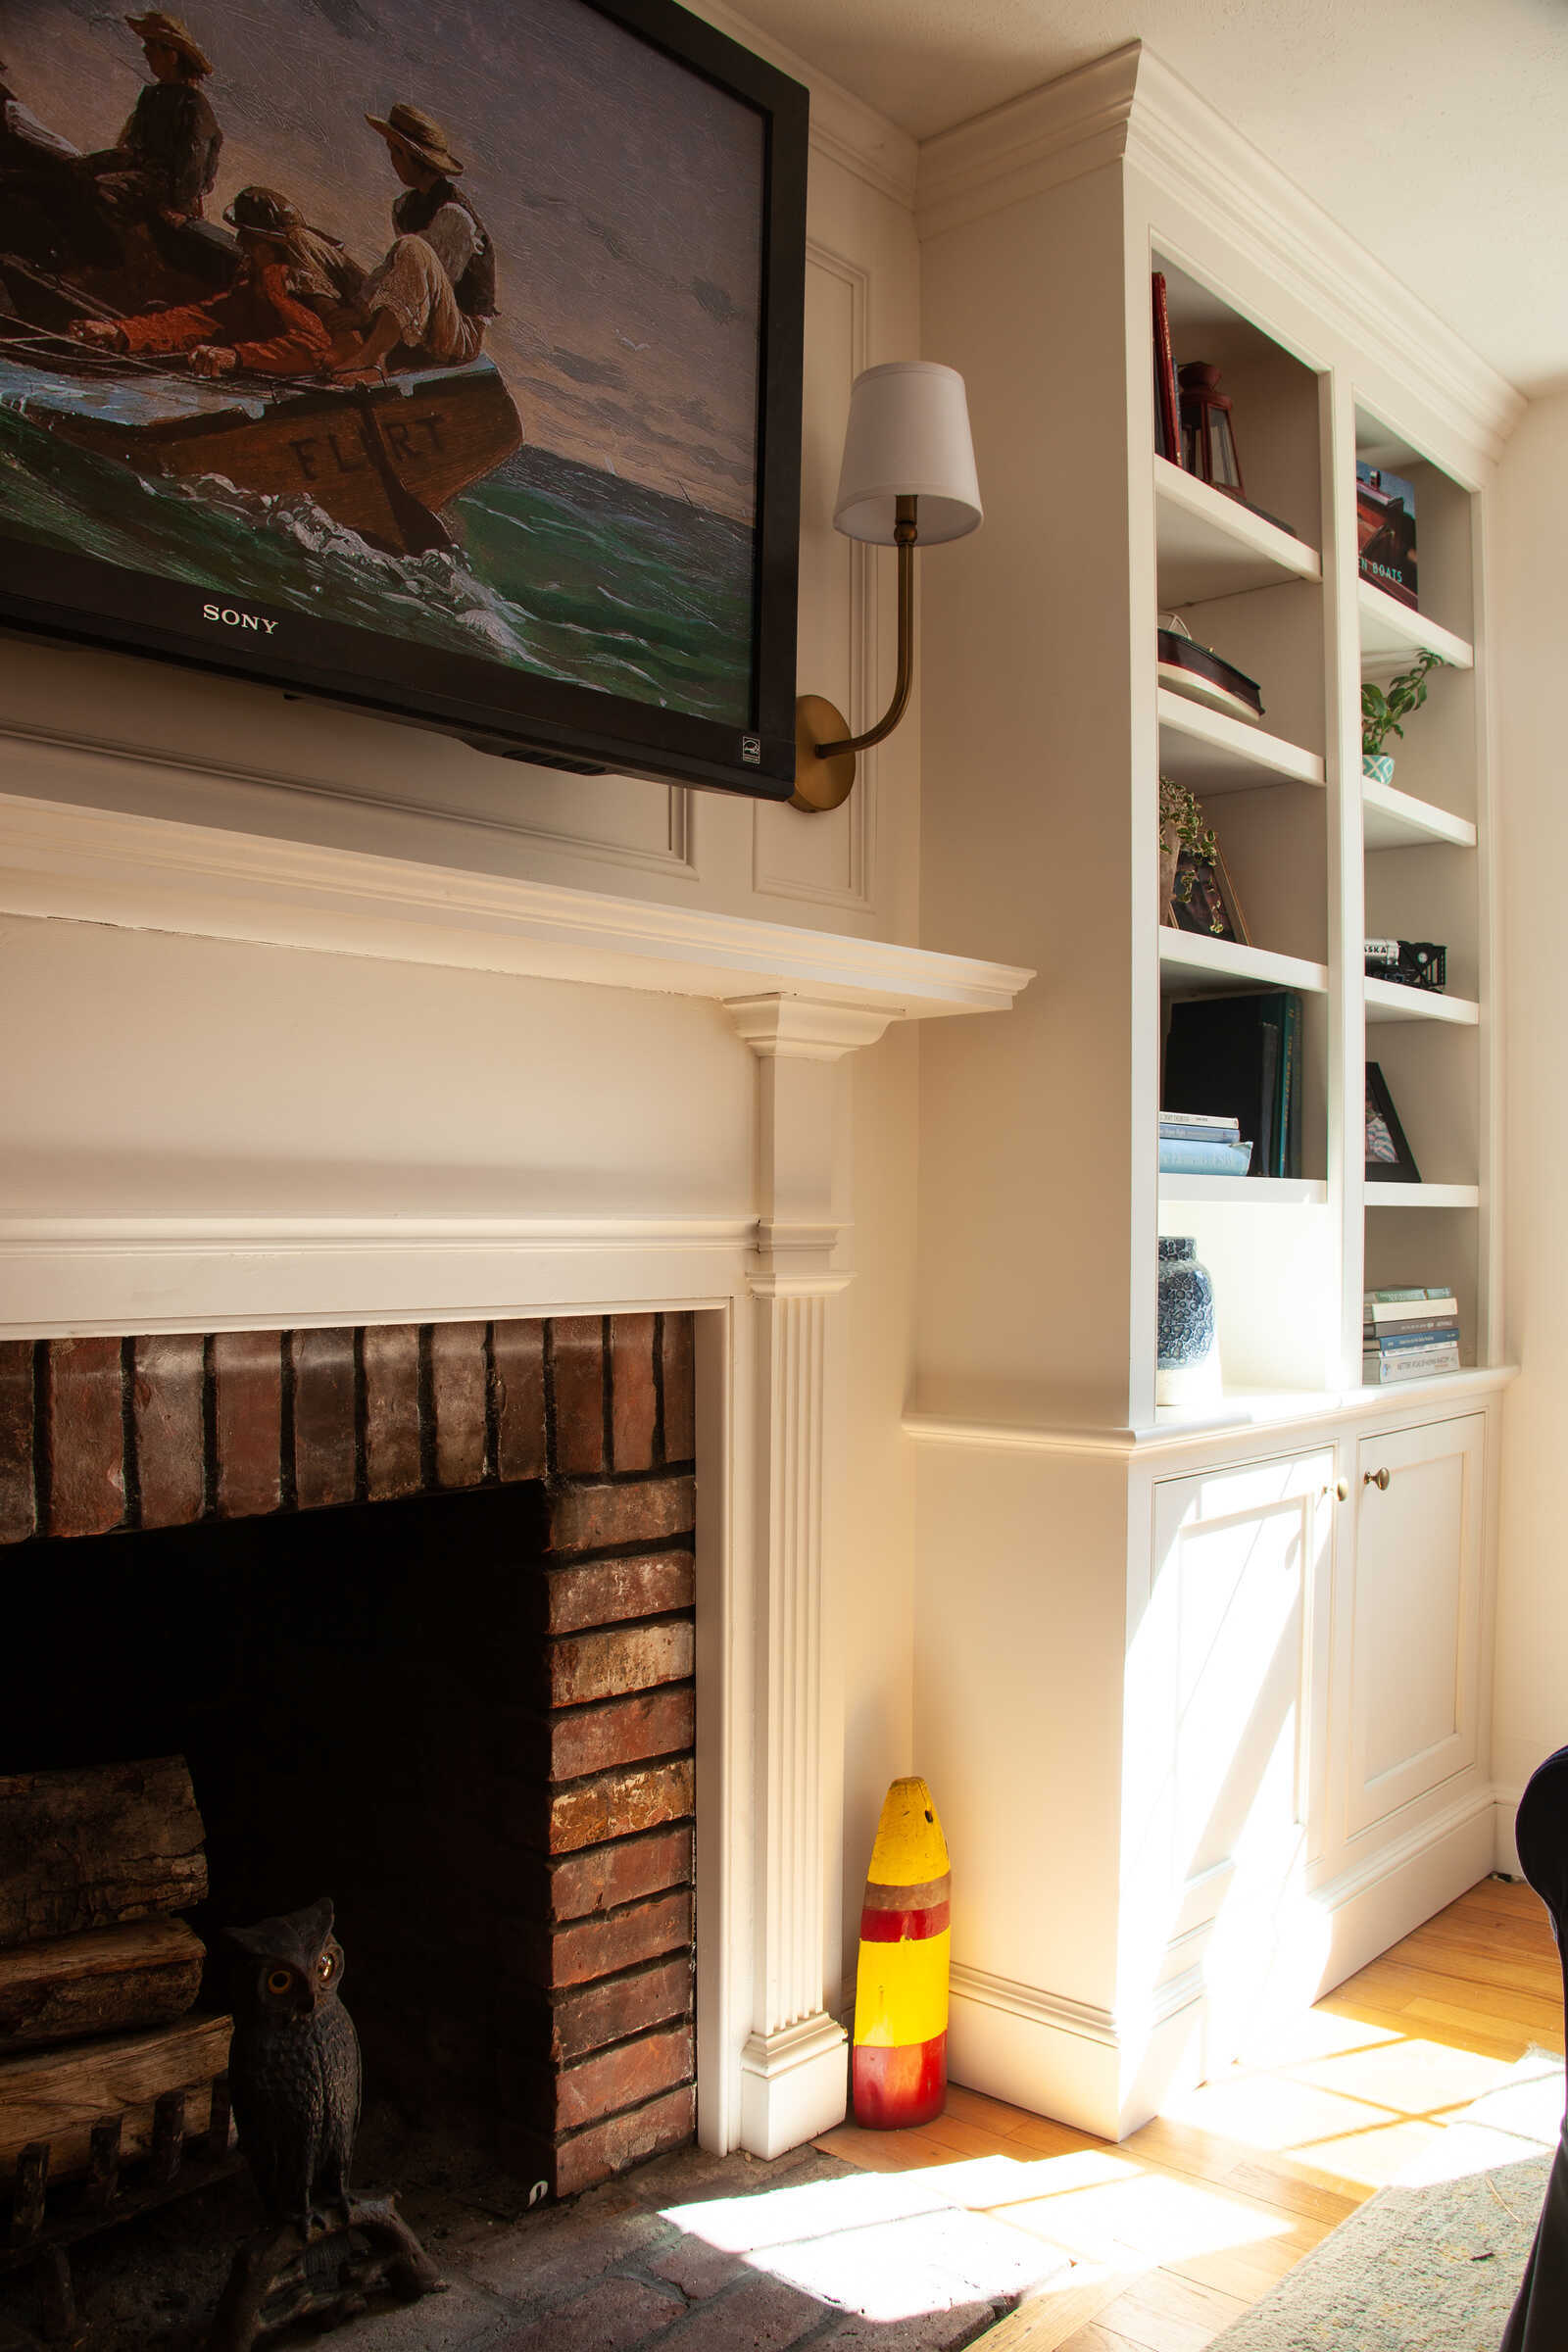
898,2073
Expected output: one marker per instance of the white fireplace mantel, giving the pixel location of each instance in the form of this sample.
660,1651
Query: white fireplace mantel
61,860
767,1277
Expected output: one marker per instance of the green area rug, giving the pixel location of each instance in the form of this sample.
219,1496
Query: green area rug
1429,2265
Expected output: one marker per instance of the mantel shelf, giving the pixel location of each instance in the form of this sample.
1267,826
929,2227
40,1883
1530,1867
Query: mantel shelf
1211,754
1422,1195
1210,545
152,873
1392,1001
1391,634
1398,820
1191,963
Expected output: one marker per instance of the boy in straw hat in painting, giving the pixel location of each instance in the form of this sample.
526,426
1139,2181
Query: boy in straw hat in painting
431,295
165,160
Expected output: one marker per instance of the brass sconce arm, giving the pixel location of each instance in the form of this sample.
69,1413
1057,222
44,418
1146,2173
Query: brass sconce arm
824,749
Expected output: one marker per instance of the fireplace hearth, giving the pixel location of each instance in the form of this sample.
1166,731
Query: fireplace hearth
416,1604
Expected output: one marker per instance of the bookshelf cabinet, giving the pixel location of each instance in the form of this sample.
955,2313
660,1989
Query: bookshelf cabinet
1086,1520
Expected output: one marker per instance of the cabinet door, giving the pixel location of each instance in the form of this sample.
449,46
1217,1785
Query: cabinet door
1415,1616
1227,1682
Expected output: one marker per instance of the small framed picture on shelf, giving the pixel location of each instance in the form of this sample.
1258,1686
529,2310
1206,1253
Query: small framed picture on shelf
1388,1158
1203,899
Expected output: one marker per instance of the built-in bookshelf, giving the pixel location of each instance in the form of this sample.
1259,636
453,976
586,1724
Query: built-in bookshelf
1320,857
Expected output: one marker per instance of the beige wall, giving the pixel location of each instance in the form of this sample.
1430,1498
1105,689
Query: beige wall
1528,607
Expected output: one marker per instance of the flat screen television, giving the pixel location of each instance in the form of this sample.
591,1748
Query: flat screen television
439,357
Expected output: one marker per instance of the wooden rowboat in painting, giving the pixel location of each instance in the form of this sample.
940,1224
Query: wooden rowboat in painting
381,457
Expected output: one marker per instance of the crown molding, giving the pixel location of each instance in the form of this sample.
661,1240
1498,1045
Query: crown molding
1059,133
1129,107
844,128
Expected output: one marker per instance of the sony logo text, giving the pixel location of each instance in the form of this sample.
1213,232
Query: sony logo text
237,621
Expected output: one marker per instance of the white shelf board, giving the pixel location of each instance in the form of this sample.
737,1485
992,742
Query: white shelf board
1210,545
1398,820
1210,753
1390,1001
1391,633
1250,1192
1423,1196
1191,963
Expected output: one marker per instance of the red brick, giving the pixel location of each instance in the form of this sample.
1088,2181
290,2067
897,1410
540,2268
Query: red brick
623,1873
618,1805
460,1382
621,1659
593,1518
248,1390
598,1947
18,1511
612,2315
626,2076
605,1592
624,1731
167,1390
626,2139
634,1401
762,2314
698,2269
86,1437
586,2019
518,1350
393,1463
578,1371
324,1466
680,1390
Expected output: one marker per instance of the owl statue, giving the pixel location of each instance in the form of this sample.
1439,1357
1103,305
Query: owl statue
294,2065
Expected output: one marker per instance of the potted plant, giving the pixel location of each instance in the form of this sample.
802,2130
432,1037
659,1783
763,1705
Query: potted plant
1383,708
1182,827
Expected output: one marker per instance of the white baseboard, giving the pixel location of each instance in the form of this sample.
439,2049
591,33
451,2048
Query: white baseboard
1405,1879
1082,2065
1073,2060
1505,1854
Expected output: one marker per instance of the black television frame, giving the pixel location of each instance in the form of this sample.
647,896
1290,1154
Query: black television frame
512,713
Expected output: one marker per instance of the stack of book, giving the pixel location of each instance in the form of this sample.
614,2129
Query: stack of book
1192,1144
1408,1335
1238,1058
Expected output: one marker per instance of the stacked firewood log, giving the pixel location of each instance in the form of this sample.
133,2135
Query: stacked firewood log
97,1975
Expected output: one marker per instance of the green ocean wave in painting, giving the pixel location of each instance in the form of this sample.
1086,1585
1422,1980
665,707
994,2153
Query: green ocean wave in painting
558,569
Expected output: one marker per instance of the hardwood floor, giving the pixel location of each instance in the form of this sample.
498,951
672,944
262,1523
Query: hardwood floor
1176,2231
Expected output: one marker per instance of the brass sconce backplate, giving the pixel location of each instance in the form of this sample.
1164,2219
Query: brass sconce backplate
820,784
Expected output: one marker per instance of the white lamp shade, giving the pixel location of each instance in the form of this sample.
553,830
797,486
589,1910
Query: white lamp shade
908,437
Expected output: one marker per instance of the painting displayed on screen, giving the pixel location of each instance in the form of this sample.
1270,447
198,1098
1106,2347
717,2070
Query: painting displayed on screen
437,319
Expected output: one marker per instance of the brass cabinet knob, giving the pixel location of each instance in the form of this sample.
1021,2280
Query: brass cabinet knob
1342,1490
1376,1477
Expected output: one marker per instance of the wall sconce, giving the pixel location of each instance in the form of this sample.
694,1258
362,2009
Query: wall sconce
907,476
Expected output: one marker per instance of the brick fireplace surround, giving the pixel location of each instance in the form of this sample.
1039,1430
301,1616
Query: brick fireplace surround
105,1435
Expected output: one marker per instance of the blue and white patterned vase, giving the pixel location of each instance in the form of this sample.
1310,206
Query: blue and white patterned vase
1378,766
1187,1367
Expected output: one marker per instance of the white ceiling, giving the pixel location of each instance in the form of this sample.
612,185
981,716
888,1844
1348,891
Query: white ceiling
1435,131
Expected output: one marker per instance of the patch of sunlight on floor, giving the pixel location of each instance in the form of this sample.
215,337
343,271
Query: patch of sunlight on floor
1271,2111
893,2245
1417,2077
1374,2156
1148,2220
